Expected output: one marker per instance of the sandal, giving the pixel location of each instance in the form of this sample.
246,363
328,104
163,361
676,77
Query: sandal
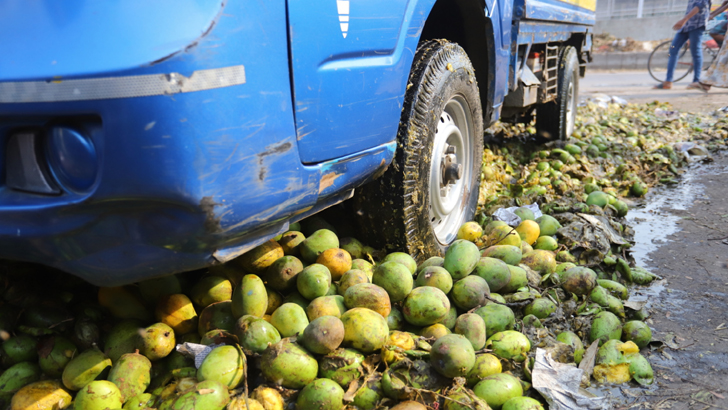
662,86
697,86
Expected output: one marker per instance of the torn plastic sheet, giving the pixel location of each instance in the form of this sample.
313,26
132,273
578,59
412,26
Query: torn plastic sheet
508,215
195,351
692,151
560,383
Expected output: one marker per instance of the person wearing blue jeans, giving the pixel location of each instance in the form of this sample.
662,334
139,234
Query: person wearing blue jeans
691,27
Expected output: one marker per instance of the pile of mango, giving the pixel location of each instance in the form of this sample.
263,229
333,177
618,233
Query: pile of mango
620,149
313,321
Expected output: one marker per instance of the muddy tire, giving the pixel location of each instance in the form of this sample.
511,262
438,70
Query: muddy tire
431,188
556,119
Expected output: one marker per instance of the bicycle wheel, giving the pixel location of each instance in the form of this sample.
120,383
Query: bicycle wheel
657,63
709,55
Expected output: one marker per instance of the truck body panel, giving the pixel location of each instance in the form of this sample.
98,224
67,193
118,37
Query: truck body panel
204,128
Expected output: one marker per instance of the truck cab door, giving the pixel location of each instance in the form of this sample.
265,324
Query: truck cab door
349,74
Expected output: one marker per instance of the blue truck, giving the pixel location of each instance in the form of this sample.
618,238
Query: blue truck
144,138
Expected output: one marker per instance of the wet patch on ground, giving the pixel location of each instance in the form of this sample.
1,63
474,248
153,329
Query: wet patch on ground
682,235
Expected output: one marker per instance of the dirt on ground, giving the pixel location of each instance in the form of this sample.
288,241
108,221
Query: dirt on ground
636,87
689,309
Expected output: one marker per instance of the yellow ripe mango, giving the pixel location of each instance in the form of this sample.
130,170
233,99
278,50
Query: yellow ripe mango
470,231
42,395
269,398
612,373
337,260
396,344
177,312
528,231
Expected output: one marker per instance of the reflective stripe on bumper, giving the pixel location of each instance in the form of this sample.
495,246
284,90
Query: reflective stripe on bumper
120,87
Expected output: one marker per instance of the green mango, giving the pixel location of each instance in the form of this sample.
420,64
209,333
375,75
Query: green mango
140,402
131,374
315,244
507,253
217,315
432,261
571,339
255,334
641,370
541,308
547,243
291,240
395,319
122,339
472,327
98,395
531,321
206,395
519,279
548,225
605,326
323,335
20,348
485,365
435,276
218,336
289,365
370,394
540,261
425,306
578,280
342,366
224,364
350,278
211,289
250,297
450,319
452,355
54,354
498,318
364,266
522,403
326,306
314,281
469,292
322,394
615,288
464,399
637,332
461,258
497,389
16,377
395,278
402,258
84,368
289,319
364,330
156,341
509,344
494,271
281,275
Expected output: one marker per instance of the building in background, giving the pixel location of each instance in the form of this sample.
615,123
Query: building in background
642,20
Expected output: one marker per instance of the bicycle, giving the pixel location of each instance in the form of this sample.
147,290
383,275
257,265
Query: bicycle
657,63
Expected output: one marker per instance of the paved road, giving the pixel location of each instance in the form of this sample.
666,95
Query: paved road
636,86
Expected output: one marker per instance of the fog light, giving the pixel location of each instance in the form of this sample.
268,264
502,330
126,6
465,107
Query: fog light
72,158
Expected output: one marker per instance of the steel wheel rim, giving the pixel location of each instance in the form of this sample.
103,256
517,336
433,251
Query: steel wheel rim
447,197
570,110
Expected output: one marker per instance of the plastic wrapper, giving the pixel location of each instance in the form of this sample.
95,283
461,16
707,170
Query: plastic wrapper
508,215
196,351
560,384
